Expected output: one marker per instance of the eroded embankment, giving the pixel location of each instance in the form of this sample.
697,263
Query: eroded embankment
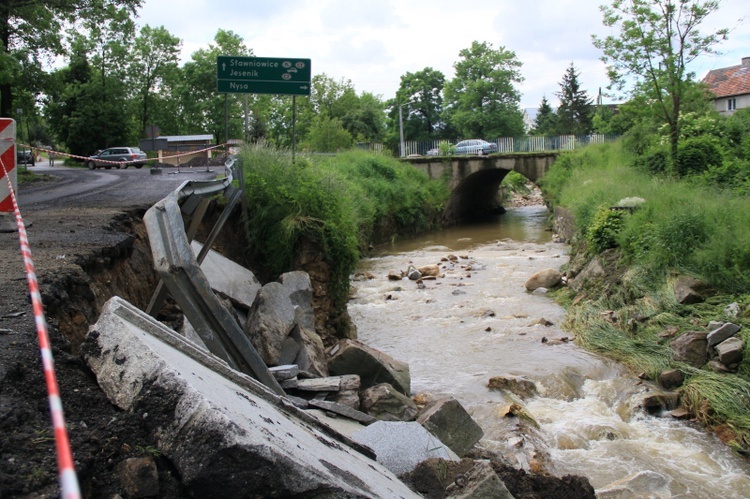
103,437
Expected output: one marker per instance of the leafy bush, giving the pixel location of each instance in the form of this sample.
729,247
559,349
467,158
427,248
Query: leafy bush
697,155
603,231
655,161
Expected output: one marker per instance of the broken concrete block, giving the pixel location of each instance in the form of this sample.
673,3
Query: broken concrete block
221,429
401,446
447,419
228,278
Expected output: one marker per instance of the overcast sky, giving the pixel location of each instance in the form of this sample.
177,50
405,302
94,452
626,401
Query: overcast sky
374,42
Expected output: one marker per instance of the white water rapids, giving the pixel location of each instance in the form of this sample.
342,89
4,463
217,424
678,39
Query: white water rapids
474,323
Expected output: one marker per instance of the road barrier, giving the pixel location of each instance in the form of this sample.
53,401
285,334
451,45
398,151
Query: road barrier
8,157
68,479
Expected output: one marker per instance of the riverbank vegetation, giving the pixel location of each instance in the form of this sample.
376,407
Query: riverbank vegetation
649,218
341,203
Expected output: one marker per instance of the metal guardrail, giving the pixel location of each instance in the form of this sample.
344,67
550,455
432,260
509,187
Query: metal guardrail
182,277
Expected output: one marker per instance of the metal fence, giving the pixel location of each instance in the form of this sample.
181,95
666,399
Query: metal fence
529,143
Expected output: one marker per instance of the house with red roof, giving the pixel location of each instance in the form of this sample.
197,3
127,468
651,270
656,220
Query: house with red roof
730,86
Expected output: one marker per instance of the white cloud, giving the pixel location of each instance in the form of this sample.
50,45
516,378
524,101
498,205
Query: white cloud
374,42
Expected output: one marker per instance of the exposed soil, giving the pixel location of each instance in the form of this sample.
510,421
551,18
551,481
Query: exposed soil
83,256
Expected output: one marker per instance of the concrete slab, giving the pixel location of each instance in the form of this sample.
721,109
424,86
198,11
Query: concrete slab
401,446
227,277
220,428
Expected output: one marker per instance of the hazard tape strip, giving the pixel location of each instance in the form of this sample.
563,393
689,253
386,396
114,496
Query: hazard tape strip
84,158
68,478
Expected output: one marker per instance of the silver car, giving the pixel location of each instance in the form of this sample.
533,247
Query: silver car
119,157
475,146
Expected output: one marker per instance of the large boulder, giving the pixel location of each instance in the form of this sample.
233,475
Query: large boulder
592,271
300,291
689,290
690,348
387,404
447,419
722,333
730,351
480,482
373,366
547,278
311,356
519,386
270,321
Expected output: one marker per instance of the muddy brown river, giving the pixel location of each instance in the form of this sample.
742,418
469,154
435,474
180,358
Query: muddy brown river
476,323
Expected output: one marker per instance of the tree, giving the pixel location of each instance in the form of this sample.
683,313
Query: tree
576,107
482,101
656,41
201,107
30,30
328,135
420,97
155,54
545,122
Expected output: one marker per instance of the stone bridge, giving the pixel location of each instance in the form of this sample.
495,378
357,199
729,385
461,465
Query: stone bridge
475,180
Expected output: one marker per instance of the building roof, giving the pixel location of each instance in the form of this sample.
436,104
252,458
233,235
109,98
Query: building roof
187,138
726,82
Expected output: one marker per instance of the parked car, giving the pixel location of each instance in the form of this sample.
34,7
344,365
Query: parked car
119,157
475,146
25,157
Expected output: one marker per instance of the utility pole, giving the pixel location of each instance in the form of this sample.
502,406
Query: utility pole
401,130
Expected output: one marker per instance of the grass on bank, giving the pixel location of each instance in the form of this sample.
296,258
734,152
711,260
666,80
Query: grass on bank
682,227
340,203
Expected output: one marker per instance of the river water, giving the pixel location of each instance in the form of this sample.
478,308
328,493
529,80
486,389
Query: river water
477,322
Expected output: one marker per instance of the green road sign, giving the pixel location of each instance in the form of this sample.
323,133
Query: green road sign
263,75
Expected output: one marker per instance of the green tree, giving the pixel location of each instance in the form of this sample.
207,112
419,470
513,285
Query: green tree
202,108
656,41
420,96
155,55
576,107
545,122
30,31
328,135
365,120
482,101
78,111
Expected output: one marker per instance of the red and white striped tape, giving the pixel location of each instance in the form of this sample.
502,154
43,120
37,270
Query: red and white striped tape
116,163
68,478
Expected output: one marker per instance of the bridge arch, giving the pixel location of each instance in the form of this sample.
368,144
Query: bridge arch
474,181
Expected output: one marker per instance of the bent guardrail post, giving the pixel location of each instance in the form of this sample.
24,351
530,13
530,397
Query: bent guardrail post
180,271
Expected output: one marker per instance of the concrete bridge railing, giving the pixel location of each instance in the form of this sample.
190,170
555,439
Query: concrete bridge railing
475,180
